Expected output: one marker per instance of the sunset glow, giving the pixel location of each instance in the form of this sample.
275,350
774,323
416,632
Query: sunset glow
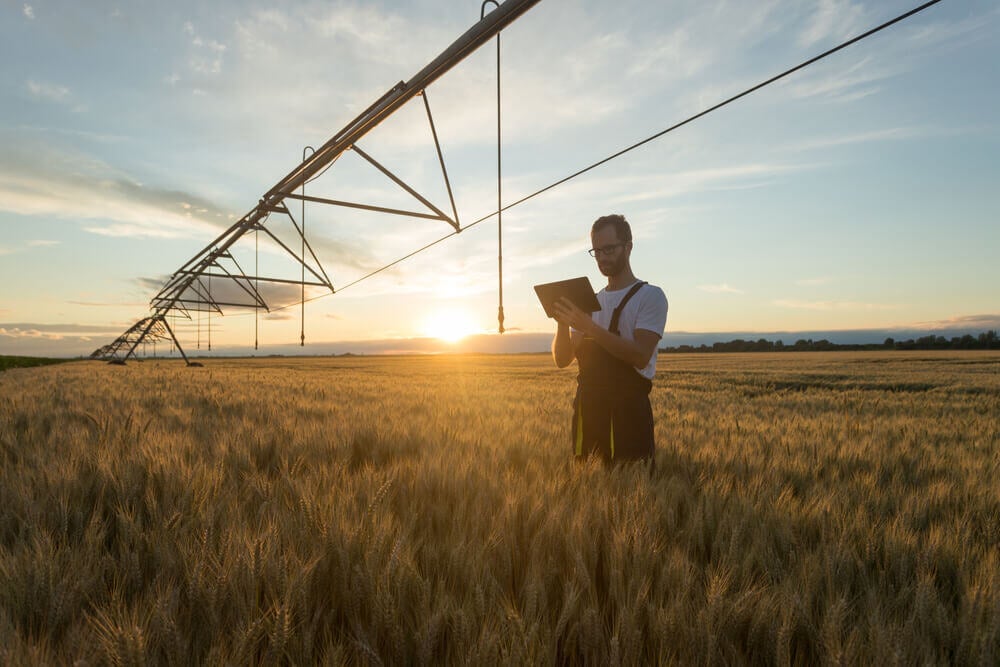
450,325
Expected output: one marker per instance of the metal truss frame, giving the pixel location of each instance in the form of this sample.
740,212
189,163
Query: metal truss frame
148,329
190,287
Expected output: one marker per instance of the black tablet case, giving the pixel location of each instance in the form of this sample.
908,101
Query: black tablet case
577,290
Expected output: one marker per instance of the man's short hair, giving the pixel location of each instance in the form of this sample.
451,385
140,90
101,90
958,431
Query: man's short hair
616,220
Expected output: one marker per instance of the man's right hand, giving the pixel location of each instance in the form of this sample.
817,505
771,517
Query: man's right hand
563,351
568,314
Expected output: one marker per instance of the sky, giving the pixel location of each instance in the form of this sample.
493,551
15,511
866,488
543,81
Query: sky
857,194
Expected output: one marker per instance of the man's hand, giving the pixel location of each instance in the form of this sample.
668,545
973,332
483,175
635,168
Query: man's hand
568,314
636,353
564,344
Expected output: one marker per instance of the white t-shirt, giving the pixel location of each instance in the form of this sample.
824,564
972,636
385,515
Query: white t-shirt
647,309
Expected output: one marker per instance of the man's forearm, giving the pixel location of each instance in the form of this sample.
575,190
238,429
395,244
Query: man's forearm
628,351
562,347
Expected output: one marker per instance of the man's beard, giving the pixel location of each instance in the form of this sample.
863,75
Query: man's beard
614,267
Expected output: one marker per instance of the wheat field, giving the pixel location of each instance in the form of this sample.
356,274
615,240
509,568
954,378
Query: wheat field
816,508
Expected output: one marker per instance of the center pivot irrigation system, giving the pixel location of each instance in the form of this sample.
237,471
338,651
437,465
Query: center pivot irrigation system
190,288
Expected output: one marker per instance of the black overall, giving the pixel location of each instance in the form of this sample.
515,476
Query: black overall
611,413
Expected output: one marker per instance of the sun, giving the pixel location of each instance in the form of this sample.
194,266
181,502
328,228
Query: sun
450,325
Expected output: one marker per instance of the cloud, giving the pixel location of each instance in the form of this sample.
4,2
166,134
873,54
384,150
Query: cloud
933,33
49,92
796,304
96,304
29,12
813,282
54,331
56,340
843,84
97,137
833,20
916,41
38,180
205,56
603,74
365,26
663,183
676,51
887,134
228,291
985,321
10,250
723,288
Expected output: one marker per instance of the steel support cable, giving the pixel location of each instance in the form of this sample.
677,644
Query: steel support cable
652,137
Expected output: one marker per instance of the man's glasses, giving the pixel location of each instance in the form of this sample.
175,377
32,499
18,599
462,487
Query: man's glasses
607,250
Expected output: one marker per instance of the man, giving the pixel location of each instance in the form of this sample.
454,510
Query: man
616,350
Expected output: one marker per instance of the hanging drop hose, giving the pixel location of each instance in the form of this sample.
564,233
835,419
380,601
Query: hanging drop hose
302,334
256,286
482,15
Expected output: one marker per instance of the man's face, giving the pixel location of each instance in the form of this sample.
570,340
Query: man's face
613,263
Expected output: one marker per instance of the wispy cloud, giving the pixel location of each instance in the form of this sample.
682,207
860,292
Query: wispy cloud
50,92
832,20
664,184
36,330
27,245
845,84
985,321
814,282
29,12
71,186
114,304
66,339
54,93
680,53
205,55
797,304
224,290
975,26
887,134
723,288
97,137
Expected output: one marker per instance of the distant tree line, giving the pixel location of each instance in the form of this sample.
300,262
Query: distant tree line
987,340
27,362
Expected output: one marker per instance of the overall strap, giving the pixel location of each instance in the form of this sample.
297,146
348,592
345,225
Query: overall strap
621,306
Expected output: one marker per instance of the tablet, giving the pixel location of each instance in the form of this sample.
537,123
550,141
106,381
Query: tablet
577,290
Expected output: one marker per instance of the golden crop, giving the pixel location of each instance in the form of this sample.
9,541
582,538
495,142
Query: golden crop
805,509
